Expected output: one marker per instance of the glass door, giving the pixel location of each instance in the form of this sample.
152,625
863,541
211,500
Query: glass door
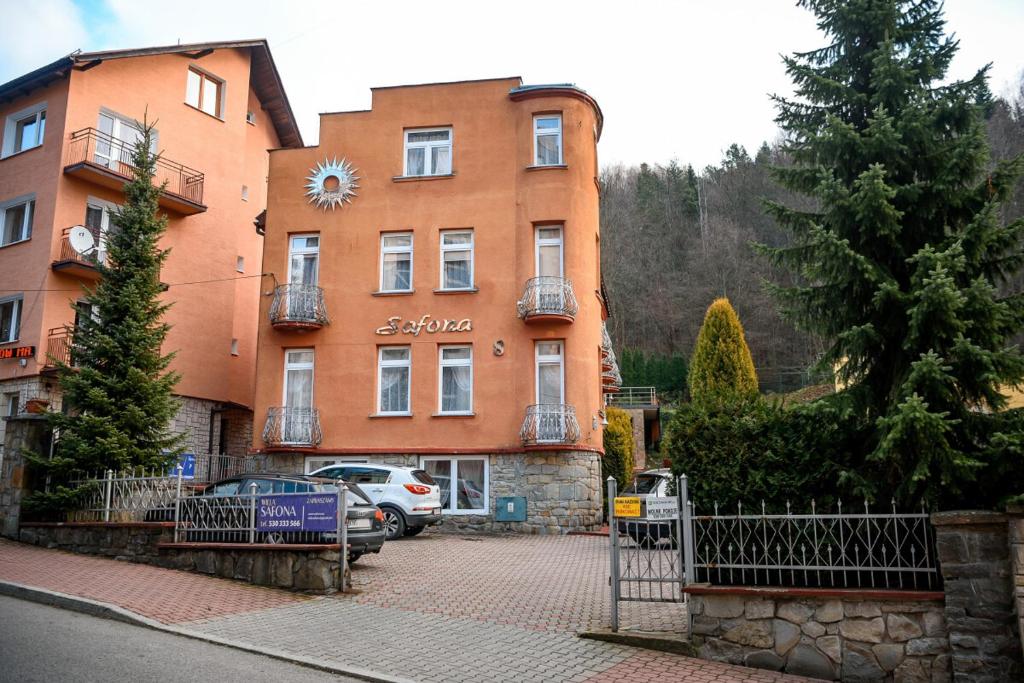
550,264
550,392
116,143
297,418
303,276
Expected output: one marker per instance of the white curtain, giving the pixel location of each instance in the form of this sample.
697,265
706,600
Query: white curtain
456,269
394,390
456,389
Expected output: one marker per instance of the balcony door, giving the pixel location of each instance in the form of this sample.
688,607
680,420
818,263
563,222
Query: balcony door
303,276
297,418
550,263
116,142
550,391
98,219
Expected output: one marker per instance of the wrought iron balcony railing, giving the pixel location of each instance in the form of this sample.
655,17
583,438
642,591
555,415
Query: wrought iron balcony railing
548,297
550,423
98,149
298,307
292,427
59,345
68,254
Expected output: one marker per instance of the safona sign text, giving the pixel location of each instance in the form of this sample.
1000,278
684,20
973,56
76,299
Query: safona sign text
426,323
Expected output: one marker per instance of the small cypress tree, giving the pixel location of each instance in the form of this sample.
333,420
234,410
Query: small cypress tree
721,370
118,397
618,447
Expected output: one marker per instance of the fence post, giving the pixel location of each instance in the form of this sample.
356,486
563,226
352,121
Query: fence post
613,535
343,533
177,505
684,510
107,495
252,512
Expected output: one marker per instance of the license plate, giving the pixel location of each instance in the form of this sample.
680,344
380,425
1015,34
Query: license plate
358,524
436,511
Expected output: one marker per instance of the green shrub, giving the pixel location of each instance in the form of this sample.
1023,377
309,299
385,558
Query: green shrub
618,447
721,370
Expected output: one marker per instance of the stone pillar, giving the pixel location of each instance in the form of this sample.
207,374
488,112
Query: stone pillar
24,433
1016,522
974,558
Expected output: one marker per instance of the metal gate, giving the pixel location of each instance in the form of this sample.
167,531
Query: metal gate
649,541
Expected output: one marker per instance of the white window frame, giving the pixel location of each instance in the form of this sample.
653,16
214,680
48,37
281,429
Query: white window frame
406,363
548,360
19,302
453,500
428,164
332,460
303,251
456,363
290,365
11,128
539,242
221,87
107,209
12,403
397,250
471,248
26,226
547,132
118,140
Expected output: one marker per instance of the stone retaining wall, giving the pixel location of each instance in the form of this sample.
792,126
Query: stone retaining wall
834,635
307,568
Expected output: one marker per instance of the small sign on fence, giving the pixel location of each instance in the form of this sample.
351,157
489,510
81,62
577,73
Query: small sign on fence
662,508
310,512
626,506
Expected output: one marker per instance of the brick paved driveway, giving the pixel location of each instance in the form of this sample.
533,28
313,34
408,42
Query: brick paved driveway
434,608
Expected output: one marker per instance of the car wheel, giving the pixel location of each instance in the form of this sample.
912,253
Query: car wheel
353,557
394,524
414,530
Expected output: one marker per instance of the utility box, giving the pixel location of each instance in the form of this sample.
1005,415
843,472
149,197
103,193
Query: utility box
510,509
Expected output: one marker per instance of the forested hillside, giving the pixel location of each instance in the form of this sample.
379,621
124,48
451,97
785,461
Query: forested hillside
674,239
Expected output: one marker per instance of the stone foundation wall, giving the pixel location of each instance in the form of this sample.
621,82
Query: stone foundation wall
307,568
24,434
562,489
26,388
1016,539
837,636
193,420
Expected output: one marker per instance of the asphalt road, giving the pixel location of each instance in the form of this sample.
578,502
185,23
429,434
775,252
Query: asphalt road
42,643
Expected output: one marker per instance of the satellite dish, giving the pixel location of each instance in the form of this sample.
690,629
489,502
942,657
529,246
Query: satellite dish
81,239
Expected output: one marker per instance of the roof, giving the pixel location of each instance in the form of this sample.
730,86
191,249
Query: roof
565,89
265,79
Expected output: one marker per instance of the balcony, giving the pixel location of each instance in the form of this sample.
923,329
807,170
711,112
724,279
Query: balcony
298,308
71,262
298,427
99,158
548,299
59,345
549,423
634,397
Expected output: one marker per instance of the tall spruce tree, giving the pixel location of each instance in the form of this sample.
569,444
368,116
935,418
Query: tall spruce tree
118,400
902,261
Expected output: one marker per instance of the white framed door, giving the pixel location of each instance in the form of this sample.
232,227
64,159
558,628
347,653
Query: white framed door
99,220
297,420
550,391
550,263
304,275
117,144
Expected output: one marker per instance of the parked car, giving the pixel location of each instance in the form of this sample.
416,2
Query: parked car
647,485
365,521
409,498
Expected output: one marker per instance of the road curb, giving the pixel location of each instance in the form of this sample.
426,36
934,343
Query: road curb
648,640
105,610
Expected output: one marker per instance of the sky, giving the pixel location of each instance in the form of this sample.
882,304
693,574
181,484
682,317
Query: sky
676,80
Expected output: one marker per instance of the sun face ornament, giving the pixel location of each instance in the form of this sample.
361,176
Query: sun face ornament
331,183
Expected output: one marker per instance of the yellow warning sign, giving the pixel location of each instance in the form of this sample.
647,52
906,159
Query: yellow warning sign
626,507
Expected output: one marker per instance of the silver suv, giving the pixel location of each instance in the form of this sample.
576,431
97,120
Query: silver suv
409,497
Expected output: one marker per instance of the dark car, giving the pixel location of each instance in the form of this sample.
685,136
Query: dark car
228,520
643,530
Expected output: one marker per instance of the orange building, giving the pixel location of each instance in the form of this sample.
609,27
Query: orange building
434,298
68,129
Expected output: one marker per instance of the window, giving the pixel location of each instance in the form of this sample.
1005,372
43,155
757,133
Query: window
314,463
549,261
366,475
116,145
456,259
11,404
99,218
463,476
10,319
25,129
547,134
203,92
16,220
394,367
245,193
250,117
234,348
550,375
298,396
456,380
396,262
240,264
428,152
303,259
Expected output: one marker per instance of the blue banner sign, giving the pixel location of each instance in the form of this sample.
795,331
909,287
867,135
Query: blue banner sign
297,512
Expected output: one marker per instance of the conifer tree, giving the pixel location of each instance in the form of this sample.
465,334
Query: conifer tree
118,400
721,370
902,259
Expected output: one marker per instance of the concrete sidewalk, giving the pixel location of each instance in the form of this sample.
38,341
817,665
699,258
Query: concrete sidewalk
350,634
